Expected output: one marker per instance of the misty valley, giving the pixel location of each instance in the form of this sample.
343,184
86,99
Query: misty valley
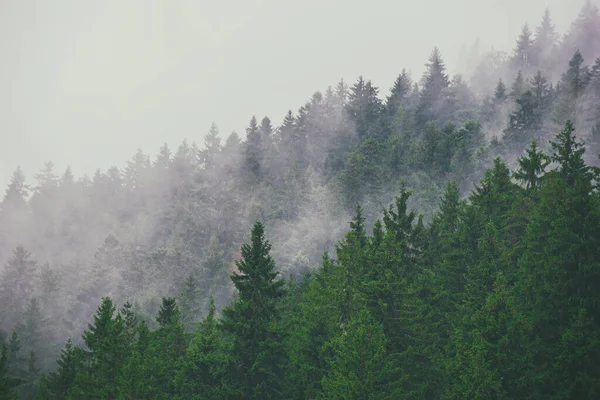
440,241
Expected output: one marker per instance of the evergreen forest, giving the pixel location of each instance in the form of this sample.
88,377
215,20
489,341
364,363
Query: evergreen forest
440,241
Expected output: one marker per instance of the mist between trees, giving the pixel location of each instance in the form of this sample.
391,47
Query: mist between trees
469,270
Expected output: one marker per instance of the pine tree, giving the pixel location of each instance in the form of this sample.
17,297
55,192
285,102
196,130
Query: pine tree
500,94
360,367
433,101
34,332
399,93
545,42
189,301
59,382
571,88
166,348
568,154
518,86
542,93
532,167
253,151
202,370
212,148
47,180
16,284
104,357
525,123
364,108
523,54
134,174
164,158
8,384
253,321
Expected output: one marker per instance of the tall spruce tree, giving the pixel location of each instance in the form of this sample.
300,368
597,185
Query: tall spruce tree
253,321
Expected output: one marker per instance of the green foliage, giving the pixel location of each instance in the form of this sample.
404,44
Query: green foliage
253,322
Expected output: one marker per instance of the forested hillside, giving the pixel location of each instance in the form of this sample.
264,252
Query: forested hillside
437,241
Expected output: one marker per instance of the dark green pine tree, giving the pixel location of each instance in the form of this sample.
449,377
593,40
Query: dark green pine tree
203,370
8,384
135,380
532,167
131,321
568,154
253,322
167,346
559,273
59,382
98,377
493,356
524,125
360,367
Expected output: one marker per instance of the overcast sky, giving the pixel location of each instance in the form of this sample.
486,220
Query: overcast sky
85,83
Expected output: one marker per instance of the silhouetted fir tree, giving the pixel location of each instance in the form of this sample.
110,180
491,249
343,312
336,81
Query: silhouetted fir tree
500,94
364,109
518,86
212,148
524,57
571,88
399,93
433,101
253,151
542,93
524,125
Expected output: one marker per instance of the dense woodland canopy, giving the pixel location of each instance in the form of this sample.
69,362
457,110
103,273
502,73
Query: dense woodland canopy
470,268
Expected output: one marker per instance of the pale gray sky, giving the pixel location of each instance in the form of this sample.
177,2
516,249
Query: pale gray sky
85,83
